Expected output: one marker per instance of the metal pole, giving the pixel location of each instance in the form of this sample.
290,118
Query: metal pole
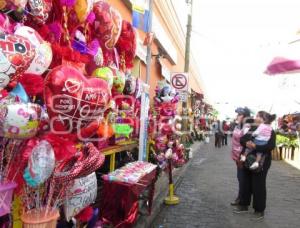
187,61
188,38
143,139
149,53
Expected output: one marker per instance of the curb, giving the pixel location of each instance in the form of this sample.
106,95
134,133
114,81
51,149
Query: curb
145,221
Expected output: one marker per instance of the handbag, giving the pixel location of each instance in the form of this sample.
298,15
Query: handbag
250,159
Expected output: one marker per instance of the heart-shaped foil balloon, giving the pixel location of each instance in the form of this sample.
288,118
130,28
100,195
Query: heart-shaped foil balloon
108,24
73,101
16,54
19,120
40,10
43,57
127,43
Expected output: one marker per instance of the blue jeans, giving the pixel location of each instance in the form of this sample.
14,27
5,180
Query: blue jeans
240,177
260,142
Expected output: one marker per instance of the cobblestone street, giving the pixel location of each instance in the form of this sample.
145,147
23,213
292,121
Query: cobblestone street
210,184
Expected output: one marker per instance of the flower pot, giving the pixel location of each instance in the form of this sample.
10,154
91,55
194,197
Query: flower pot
40,218
6,194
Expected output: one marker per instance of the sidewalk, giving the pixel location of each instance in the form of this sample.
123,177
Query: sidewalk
209,185
162,189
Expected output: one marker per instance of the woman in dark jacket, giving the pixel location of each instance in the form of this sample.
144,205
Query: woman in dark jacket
254,183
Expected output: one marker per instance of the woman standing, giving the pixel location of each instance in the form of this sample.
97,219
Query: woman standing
255,181
238,132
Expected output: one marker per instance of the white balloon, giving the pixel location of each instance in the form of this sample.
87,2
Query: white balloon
169,153
43,56
42,59
80,195
41,162
29,33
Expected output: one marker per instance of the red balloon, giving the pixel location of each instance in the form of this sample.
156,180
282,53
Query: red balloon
127,43
16,54
125,102
107,25
73,101
40,10
168,109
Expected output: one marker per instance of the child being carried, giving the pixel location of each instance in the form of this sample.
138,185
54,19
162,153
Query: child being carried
261,136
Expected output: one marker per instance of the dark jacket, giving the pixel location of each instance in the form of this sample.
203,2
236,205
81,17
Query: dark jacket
248,136
266,149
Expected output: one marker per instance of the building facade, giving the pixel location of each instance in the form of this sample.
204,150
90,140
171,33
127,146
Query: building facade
168,48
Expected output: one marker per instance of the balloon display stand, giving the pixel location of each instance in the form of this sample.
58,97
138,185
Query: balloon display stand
171,199
40,218
6,193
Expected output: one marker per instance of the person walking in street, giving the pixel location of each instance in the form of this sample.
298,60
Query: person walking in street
217,132
254,182
238,132
225,129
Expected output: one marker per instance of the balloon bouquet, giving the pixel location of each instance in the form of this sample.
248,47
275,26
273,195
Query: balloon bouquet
63,66
167,127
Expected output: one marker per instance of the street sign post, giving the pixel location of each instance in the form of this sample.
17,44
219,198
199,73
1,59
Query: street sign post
144,120
183,96
180,83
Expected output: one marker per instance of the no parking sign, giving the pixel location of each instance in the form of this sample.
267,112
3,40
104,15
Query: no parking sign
180,83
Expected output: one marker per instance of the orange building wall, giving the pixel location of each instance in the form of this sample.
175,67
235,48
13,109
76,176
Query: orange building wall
155,71
155,66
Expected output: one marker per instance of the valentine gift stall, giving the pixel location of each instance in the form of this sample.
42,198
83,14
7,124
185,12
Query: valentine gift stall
67,99
287,138
121,192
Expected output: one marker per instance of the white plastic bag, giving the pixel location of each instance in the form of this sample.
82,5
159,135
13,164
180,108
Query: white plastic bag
206,140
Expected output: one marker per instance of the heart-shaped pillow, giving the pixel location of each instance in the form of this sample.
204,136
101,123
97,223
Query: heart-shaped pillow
74,101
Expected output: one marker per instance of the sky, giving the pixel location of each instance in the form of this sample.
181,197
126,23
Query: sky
233,41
